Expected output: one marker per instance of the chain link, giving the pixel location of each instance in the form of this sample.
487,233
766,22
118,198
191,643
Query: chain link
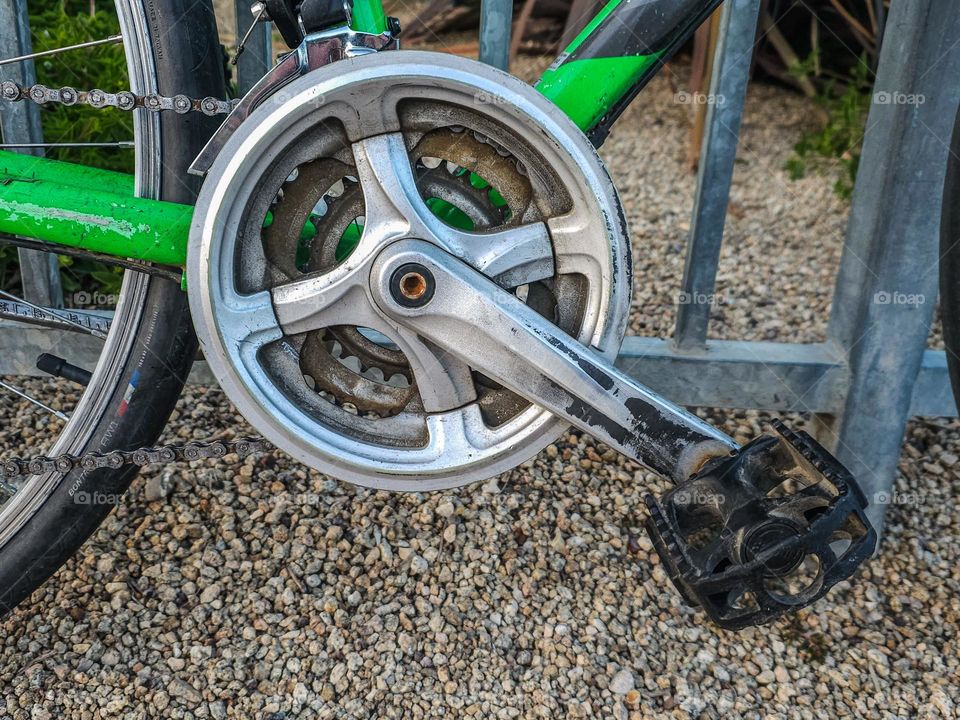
124,100
14,468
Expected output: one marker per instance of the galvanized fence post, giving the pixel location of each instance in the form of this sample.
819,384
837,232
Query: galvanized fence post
728,91
887,285
20,123
496,17
257,56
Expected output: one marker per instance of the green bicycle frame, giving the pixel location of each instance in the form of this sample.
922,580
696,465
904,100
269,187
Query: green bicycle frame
592,82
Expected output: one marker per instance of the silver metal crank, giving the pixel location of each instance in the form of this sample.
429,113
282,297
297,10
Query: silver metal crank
423,288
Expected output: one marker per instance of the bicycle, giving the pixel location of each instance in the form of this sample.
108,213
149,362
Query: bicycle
407,270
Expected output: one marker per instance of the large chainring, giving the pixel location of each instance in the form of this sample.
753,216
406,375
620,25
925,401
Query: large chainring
314,182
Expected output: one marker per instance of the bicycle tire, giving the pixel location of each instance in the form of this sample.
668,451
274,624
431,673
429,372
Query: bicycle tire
181,40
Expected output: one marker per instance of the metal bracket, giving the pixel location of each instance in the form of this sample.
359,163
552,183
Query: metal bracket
316,50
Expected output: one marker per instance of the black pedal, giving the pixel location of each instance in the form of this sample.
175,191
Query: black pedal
764,532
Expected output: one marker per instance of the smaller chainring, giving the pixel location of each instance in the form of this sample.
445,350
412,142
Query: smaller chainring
345,361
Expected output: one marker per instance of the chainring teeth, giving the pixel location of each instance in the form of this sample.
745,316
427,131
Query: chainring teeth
453,163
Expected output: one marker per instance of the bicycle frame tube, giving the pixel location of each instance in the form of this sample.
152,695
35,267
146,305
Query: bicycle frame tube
90,209
368,16
616,55
592,81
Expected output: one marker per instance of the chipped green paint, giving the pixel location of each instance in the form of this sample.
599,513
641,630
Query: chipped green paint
586,89
92,210
616,55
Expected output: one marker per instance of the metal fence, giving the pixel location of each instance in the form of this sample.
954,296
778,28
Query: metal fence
874,371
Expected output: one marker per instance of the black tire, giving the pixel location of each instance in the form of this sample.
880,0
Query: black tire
950,263
188,60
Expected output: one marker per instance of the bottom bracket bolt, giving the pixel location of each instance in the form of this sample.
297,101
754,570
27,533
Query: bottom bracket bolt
412,285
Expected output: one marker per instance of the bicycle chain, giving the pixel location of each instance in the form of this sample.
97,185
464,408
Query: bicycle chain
123,100
14,468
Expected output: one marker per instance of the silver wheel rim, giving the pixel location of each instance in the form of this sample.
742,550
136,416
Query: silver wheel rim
90,411
233,326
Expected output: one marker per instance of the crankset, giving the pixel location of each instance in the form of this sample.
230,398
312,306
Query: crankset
411,272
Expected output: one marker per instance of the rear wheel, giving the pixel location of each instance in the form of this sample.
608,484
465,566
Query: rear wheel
171,46
950,263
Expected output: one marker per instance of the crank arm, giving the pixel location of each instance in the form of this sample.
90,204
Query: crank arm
740,521
493,332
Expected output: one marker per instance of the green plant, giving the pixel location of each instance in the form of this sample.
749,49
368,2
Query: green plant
840,138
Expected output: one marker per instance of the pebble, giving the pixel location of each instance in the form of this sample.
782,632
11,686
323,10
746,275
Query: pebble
621,683
158,486
185,691
766,677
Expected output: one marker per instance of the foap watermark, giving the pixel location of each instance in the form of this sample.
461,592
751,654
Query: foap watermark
895,497
698,98
696,497
882,97
310,98
95,497
698,298
94,298
483,97
887,297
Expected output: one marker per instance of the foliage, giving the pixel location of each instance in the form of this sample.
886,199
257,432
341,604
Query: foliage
840,139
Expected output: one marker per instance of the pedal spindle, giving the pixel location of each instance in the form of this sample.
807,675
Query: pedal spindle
763,532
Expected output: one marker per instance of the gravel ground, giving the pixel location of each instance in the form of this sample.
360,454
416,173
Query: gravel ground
261,590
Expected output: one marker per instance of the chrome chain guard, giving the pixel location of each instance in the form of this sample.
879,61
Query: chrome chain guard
564,246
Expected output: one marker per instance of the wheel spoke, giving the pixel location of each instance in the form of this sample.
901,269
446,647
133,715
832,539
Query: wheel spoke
510,257
250,319
393,206
20,393
322,301
395,209
443,380
463,431
113,39
573,257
